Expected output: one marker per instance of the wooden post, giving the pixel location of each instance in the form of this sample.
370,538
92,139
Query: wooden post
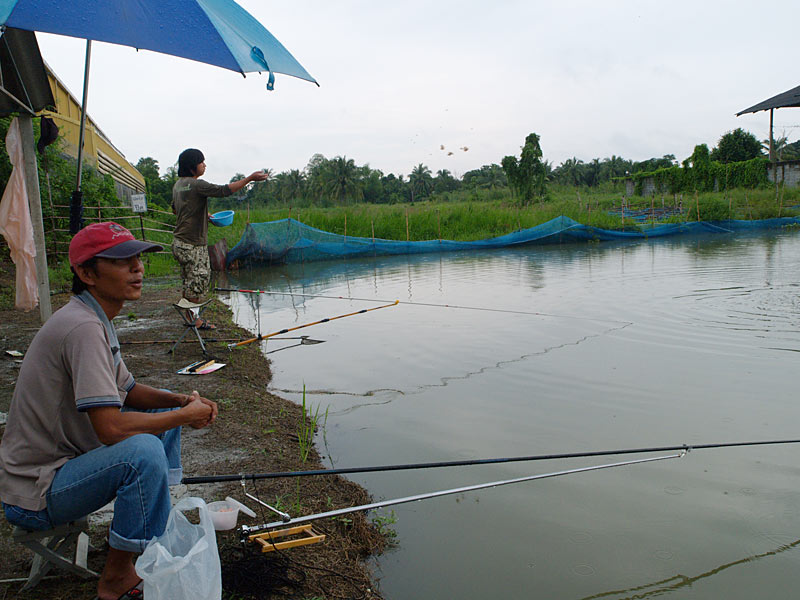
345,227
406,223
141,225
771,142
697,205
439,224
372,221
35,207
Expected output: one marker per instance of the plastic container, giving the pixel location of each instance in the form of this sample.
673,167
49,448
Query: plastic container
222,218
225,513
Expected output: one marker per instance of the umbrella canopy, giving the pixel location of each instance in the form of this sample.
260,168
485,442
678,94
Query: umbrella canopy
216,32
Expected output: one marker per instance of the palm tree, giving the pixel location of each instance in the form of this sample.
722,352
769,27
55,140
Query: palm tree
421,181
341,180
294,184
778,146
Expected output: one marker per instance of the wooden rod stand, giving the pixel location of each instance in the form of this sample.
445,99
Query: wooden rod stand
268,543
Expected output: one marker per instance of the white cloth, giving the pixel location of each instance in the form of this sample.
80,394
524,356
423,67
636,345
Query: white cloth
16,226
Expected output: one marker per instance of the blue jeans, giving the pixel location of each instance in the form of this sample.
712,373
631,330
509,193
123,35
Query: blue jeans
136,471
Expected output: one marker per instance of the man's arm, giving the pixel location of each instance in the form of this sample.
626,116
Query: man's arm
145,397
113,425
240,183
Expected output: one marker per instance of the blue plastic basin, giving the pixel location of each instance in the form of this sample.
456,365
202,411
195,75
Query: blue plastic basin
222,218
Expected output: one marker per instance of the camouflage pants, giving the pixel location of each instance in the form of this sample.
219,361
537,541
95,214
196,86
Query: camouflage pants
195,268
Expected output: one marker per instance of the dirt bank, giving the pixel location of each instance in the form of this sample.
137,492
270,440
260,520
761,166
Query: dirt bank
256,432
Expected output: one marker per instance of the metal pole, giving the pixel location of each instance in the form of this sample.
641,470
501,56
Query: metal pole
460,490
83,113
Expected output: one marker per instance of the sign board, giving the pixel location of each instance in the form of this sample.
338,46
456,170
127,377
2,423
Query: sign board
139,203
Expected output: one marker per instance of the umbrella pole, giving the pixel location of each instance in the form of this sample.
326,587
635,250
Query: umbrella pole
76,205
83,112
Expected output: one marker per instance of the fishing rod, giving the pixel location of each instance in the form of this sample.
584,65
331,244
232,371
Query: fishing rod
274,333
305,340
481,461
460,490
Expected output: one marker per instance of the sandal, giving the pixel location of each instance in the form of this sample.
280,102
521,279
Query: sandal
135,593
204,325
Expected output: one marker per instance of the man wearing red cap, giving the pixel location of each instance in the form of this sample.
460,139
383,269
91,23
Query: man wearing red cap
81,432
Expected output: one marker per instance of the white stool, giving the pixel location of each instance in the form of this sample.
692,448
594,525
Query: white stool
190,312
51,548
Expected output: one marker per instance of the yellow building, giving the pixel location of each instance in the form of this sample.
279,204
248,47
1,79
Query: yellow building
98,150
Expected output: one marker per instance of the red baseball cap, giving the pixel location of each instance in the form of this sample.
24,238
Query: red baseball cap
106,240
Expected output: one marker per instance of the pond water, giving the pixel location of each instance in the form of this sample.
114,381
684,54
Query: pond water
555,349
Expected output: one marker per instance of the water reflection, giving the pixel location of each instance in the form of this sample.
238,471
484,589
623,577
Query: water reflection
672,584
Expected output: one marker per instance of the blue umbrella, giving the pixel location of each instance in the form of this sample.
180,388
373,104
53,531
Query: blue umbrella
216,32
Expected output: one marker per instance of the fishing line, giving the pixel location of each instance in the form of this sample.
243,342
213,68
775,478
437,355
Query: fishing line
482,461
456,306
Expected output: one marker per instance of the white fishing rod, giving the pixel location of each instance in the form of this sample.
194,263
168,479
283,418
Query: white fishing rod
246,530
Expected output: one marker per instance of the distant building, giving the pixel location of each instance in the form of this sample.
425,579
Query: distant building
98,150
788,172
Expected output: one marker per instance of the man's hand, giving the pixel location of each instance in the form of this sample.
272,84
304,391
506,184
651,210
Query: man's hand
258,176
200,411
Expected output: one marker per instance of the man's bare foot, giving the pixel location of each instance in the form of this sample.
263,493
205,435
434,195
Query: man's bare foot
119,576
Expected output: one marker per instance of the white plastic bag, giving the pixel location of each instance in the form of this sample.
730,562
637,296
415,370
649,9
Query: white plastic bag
183,563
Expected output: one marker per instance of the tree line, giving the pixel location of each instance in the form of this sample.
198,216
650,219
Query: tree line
340,181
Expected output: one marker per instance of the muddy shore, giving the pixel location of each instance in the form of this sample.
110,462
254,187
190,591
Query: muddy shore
256,432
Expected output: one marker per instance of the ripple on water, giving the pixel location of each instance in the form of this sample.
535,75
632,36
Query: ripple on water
583,570
580,537
663,554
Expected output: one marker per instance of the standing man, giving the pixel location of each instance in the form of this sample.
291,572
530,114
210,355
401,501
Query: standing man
190,203
81,431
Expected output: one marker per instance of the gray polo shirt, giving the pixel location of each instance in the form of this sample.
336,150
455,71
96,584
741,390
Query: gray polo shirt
73,364
190,204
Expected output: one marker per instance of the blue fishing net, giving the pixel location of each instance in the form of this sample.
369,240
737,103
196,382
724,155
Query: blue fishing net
290,241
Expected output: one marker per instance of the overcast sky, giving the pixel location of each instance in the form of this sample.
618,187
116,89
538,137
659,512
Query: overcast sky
399,80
